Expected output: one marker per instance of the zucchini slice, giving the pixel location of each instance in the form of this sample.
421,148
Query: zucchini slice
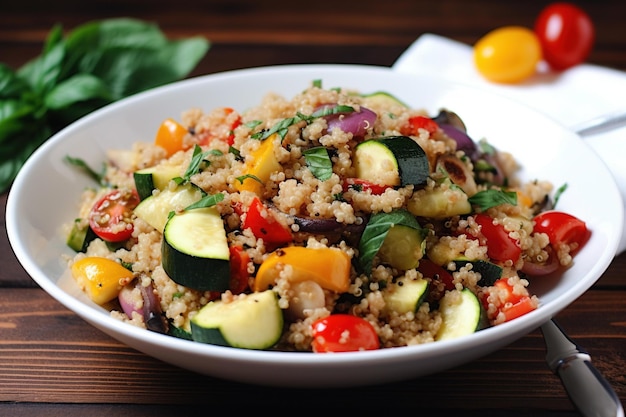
392,160
254,321
405,295
80,236
155,209
440,202
384,99
156,177
462,314
401,248
489,272
194,252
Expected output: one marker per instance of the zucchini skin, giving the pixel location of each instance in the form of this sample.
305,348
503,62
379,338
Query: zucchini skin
194,251
253,322
406,155
195,272
412,160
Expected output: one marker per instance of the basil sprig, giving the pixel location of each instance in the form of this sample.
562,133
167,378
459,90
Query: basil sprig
376,231
318,161
95,64
491,198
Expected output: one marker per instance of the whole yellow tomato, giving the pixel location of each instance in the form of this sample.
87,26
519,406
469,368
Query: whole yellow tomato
509,54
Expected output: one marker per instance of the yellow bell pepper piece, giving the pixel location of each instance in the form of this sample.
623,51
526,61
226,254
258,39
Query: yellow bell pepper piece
328,267
262,164
101,278
170,136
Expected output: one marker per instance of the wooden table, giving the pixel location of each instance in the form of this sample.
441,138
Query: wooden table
53,363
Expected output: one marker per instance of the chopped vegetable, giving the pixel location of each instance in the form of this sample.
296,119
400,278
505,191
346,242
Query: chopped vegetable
264,225
329,267
500,245
562,229
170,136
111,216
259,166
100,278
254,321
343,333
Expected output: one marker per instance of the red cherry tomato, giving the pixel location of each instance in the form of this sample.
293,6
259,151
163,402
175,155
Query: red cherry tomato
111,217
562,228
343,333
513,305
364,185
500,246
566,34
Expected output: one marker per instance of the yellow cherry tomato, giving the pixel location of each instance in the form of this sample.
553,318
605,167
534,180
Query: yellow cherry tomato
509,54
170,136
100,278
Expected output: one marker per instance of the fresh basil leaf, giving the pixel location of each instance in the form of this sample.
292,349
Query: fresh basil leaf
558,194
244,177
196,162
318,161
16,151
95,64
491,198
331,110
376,231
206,201
96,176
76,89
11,86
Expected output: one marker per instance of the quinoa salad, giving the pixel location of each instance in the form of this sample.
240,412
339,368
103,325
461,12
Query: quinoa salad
331,221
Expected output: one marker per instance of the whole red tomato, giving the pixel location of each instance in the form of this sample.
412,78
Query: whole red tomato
566,34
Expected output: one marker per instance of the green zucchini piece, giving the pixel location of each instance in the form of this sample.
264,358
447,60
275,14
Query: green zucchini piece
489,272
439,202
384,99
156,177
403,247
392,160
461,313
155,209
405,295
194,252
254,321
374,238
80,236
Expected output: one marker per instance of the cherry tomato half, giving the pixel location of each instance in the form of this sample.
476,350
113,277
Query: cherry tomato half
343,333
566,34
562,228
110,218
508,54
500,246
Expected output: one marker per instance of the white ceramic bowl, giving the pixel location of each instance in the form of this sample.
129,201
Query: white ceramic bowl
45,193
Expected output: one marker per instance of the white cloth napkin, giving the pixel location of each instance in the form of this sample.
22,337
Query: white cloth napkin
572,97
